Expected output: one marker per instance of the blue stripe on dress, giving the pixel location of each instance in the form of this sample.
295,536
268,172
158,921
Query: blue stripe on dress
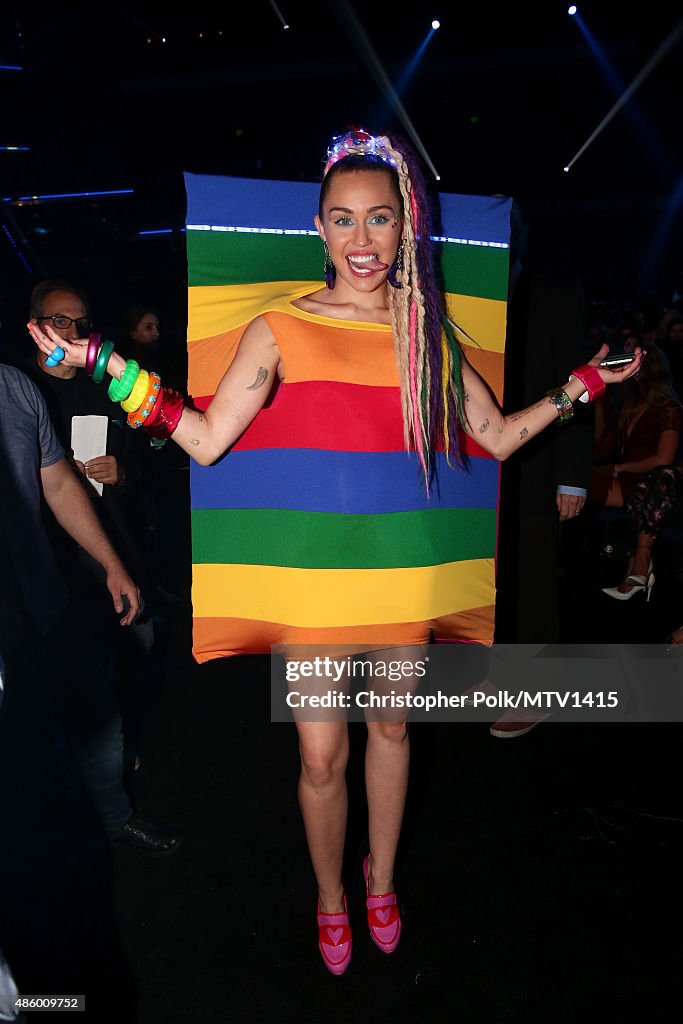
330,481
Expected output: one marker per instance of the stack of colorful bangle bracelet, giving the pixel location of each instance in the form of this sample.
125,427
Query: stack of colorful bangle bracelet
137,391
145,401
140,393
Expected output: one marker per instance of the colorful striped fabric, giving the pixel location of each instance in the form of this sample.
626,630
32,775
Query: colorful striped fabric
314,528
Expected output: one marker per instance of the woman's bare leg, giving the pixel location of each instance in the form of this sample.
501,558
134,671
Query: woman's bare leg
638,563
324,748
387,762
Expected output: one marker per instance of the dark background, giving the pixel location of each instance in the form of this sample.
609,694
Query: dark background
502,98
540,879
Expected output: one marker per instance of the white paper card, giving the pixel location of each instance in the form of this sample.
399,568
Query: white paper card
89,440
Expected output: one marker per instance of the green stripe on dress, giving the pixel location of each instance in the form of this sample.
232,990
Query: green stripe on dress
325,540
227,257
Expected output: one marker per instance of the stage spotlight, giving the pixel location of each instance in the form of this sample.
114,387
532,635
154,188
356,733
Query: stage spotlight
278,12
571,10
565,169
436,24
392,93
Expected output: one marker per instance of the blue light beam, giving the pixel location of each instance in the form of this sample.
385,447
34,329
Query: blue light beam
648,68
347,16
412,64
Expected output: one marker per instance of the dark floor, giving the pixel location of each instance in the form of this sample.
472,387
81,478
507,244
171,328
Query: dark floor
539,877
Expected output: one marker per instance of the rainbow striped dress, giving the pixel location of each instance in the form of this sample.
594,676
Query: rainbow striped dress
315,528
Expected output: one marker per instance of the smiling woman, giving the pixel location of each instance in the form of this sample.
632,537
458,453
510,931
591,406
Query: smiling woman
361,239
345,519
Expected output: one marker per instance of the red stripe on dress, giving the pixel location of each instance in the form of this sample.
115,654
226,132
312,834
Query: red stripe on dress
333,416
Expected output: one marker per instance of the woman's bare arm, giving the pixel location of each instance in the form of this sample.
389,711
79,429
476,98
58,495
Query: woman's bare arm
241,394
501,435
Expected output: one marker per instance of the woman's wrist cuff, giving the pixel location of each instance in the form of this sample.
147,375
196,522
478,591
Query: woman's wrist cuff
591,380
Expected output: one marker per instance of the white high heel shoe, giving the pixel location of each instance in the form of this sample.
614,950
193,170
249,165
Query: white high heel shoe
638,583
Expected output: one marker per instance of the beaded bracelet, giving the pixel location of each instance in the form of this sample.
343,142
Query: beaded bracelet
149,409
563,404
119,390
137,395
102,362
94,342
591,380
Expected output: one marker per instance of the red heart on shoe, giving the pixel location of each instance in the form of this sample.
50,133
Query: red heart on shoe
335,934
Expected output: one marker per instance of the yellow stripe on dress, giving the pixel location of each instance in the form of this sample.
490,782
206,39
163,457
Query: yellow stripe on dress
215,309
341,597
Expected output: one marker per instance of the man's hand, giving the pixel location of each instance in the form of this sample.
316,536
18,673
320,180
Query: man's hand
73,509
569,505
104,469
120,585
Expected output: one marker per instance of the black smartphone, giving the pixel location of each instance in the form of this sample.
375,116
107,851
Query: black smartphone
617,359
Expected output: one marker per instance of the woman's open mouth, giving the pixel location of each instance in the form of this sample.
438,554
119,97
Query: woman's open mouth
365,264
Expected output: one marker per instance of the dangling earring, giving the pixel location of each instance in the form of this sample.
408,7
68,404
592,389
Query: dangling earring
395,268
329,268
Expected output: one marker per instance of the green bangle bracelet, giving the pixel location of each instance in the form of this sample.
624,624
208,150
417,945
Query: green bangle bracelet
102,360
119,390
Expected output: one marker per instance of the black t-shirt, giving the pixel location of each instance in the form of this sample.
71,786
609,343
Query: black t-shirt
120,508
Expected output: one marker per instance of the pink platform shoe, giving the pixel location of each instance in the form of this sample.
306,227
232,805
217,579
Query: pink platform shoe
334,939
384,919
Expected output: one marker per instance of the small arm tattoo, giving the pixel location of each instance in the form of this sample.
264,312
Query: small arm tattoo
518,415
261,378
523,433
484,427
194,440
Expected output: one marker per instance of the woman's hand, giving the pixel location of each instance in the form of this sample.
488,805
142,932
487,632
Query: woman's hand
47,340
620,374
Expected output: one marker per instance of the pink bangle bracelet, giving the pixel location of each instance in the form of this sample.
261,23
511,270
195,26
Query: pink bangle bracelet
591,380
94,342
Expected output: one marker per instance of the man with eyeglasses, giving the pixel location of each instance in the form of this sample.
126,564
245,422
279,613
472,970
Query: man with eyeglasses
66,310
96,653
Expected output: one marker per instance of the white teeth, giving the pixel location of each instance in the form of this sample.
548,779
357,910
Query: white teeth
360,259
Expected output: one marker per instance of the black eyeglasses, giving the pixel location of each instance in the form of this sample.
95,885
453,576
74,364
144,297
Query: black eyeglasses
63,323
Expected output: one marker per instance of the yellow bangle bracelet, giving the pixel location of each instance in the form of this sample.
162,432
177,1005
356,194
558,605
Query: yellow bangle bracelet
138,394
140,416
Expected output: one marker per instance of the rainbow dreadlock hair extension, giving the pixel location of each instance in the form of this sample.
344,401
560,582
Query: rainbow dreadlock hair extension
427,351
